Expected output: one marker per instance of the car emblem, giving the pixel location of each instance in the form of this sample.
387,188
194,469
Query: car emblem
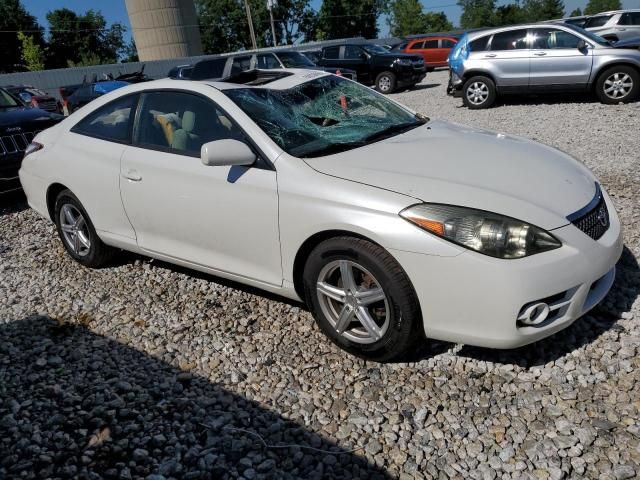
603,217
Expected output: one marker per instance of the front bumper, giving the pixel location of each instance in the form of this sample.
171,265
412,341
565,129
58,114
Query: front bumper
454,87
9,166
476,299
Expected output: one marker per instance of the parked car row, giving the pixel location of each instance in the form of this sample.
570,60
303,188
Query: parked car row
614,25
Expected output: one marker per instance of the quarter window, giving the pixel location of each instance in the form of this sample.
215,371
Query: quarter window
416,46
511,40
544,39
182,123
110,122
431,44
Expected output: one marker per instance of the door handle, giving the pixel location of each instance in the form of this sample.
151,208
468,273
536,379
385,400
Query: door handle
540,54
490,55
132,175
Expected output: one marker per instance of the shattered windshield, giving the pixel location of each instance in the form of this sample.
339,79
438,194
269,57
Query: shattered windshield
324,116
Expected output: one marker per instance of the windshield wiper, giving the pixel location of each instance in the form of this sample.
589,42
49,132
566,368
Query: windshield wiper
333,148
393,130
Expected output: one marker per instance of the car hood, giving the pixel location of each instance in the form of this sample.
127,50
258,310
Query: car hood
18,116
442,162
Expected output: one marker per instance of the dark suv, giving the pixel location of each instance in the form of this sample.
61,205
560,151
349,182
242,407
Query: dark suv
18,126
375,65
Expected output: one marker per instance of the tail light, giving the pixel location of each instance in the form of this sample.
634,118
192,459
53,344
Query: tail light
33,147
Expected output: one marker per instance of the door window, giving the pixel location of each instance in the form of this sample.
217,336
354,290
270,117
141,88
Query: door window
543,39
182,123
511,40
431,44
240,64
599,21
331,52
446,43
630,18
110,122
268,61
479,44
416,46
352,52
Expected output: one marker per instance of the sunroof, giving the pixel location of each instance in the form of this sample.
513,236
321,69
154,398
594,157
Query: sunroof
256,77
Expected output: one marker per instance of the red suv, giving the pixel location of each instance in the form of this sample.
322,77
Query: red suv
434,50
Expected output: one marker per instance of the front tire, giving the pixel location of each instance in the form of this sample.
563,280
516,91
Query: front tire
479,92
362,299
386,82
619,84
77,233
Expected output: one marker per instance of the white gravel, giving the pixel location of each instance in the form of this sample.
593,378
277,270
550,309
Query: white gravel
143,370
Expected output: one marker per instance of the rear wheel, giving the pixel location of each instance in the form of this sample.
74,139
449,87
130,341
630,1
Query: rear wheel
77,233
618,85
386,82
362,299
479,92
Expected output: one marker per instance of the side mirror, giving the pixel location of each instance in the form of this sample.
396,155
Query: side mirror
25,97
226,152
582,45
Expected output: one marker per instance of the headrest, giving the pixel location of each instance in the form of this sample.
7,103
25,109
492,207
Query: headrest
188,120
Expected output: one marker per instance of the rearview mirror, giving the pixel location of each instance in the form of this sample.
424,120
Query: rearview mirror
582,45
226,152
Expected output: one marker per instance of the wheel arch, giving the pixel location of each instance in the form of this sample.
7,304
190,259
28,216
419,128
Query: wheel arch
307,247
52,193
475,72
614,63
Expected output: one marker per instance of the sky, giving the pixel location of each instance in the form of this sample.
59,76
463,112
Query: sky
116,11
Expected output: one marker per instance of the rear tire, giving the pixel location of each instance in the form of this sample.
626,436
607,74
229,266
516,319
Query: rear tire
77,233
619,84
479,92
374,313
386,82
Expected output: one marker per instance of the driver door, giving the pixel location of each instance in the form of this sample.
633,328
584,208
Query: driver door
218,217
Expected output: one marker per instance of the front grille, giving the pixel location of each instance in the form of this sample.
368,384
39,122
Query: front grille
595,221
48,105
16,143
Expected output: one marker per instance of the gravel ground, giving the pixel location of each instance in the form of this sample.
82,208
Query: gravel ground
144,370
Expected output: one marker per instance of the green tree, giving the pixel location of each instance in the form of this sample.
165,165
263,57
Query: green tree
539,10
32,54
405,17
477,13
130,52
597,6
14,18
576,13
292,19
82,39
348,18
437,22
510,14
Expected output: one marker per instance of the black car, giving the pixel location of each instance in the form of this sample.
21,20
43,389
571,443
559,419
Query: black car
18,126
375,65
222,67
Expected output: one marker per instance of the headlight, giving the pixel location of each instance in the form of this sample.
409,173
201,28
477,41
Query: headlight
405,62
485,232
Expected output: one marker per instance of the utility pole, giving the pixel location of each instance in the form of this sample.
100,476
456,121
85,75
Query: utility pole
253,34
270,5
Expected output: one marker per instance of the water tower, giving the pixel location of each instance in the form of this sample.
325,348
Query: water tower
164,28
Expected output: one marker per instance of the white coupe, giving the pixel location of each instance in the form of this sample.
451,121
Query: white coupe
391,227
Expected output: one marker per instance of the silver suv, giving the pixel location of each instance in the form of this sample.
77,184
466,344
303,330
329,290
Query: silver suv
540,58
616,25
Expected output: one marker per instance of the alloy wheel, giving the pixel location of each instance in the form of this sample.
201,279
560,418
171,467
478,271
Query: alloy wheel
75,230
618,85
353,301
477,93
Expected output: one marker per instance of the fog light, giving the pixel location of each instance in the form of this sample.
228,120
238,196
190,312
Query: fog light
534,314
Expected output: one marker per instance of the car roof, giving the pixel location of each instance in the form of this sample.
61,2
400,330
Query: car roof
489,31
614,12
